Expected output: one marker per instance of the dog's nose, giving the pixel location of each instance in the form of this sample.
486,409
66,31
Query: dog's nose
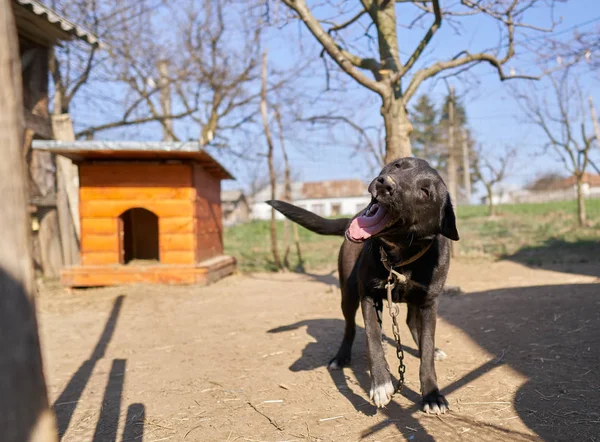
385,185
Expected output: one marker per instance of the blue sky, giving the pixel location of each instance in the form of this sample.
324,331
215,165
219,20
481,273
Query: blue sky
494,116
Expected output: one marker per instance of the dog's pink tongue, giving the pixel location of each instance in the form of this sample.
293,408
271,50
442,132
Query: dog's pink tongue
363,227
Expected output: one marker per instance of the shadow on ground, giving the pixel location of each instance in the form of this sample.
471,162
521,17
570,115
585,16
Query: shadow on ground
580,257
108,420
550,334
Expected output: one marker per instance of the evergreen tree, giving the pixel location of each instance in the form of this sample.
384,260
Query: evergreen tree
425,137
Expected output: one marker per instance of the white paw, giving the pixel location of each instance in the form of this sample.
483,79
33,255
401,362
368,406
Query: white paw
333,365
381,395
439,355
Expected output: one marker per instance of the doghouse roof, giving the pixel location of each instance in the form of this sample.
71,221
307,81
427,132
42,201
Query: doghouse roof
134,150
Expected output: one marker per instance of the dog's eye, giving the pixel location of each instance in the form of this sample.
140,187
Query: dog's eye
425,191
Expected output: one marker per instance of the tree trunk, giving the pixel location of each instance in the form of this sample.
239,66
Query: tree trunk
272,176
397,125
491,206
287,190
397,129
288,197
24,410
581,216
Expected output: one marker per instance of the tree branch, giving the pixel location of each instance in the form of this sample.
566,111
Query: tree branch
121,123
346,24
341,57
424,42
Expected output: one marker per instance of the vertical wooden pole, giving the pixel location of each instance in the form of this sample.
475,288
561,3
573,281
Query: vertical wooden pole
452,181
24,409
288,197
466,167
272,180
67,198
165,99
594,120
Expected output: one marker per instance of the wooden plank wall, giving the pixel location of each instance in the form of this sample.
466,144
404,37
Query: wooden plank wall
109,189
208,214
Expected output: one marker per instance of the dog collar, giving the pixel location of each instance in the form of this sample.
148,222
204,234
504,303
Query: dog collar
390,267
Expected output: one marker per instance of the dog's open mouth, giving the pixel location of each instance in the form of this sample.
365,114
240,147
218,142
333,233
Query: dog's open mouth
373,220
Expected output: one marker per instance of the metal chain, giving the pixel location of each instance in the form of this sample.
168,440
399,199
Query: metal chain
394,310
393,278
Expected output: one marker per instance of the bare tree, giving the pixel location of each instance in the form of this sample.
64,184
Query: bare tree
562,121
579,46
491,171
384,72
287,196
24,411
270,155
211,49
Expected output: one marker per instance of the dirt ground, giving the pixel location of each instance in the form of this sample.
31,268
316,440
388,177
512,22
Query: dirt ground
244,360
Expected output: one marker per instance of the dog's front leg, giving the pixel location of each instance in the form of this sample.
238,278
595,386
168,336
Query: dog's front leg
382,388
433,400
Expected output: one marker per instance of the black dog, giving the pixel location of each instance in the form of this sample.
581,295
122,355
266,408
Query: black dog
410,218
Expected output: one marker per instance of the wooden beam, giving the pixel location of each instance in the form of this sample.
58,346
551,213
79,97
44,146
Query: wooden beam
41,126
24,410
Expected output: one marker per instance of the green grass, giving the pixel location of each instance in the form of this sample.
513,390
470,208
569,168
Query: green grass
250,243
530,233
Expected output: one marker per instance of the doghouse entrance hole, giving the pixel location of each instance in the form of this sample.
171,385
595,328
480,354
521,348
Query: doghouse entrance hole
139,236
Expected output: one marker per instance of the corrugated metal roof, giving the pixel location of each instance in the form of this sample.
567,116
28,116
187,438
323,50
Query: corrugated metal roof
134,150
58,21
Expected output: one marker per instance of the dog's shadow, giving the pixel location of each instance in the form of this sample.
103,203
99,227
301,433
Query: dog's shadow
328,336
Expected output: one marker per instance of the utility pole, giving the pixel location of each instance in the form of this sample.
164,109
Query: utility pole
165,99
452,184
594,120
466,167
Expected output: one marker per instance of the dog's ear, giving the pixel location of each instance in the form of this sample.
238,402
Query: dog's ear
448,221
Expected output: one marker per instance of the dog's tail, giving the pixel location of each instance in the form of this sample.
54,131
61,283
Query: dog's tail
311,221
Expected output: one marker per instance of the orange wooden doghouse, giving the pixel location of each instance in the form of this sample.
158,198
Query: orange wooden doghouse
150,212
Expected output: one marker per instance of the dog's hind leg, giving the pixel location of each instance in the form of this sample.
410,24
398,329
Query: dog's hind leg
350,301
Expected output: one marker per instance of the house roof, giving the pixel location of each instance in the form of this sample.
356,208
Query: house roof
133,150
229,196
36,18
592,180
316,190
333,189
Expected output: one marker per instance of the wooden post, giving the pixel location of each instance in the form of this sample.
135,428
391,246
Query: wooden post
165,99
452,181
67,198
288,197
272,179
24,409
466,167
594,120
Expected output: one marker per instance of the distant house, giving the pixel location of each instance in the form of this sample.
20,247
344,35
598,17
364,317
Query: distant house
236,209
325,198
503,194
558,190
